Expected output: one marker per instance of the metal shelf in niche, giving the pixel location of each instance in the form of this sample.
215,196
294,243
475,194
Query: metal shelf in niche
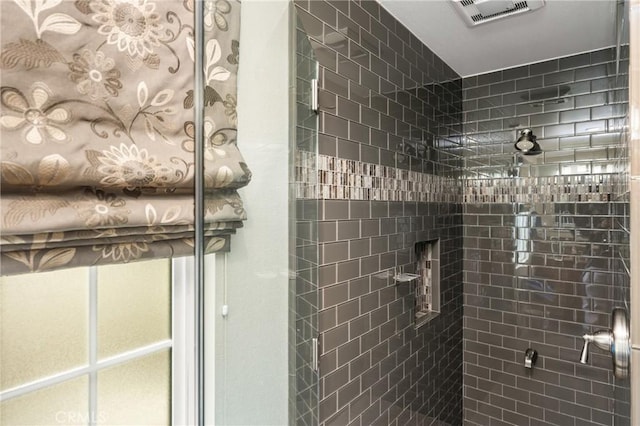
405,277
399,276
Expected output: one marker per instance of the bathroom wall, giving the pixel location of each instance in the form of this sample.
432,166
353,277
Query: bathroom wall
254,335
390,119
543,241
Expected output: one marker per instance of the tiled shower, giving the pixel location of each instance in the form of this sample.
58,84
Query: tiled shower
533,248
546,239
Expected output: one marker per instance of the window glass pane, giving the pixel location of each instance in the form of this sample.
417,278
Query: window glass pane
43,324
138,392
134,305
62,404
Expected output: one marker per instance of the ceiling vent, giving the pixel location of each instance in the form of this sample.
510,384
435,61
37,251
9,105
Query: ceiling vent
477,12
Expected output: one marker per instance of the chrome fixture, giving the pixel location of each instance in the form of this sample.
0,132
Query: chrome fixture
399,276
315,354
530,357
315,95
615,341
527,143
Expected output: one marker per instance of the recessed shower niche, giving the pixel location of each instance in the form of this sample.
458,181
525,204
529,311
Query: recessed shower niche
427,289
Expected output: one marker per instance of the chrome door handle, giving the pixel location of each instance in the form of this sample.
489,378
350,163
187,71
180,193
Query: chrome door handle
616,340
315,354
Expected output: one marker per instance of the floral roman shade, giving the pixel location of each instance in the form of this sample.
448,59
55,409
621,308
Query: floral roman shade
97,131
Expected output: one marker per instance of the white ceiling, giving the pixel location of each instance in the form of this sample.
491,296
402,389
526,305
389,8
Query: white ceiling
559,28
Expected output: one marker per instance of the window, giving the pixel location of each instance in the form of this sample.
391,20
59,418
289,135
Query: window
96,345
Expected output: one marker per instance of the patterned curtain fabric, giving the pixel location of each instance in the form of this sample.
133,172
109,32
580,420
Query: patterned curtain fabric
97,131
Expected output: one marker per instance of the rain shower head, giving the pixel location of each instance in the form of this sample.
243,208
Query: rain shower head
527,143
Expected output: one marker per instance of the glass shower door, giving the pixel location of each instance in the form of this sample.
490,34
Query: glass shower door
303,206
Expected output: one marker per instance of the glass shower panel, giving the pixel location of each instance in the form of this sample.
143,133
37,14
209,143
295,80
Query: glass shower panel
303,256
620,207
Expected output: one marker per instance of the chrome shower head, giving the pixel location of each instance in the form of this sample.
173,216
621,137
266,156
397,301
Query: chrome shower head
527,143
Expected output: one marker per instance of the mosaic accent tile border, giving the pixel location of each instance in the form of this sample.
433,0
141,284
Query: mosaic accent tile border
331,178
578,188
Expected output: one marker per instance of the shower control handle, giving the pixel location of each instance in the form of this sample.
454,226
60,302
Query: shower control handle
615,340
601,338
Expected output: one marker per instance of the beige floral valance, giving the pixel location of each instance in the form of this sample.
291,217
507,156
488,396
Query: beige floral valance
97,130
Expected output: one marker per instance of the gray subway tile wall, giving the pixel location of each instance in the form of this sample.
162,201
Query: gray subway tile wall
542,238
386,101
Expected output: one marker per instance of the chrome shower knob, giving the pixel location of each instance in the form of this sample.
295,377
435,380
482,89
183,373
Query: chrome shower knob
616,341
